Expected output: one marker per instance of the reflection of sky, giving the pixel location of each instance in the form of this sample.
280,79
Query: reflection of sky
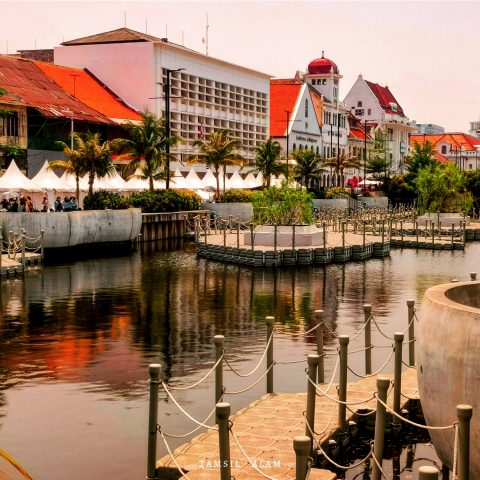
76,342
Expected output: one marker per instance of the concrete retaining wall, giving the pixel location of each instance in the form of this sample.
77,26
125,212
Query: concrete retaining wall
331,203
372,202
67,229
242,210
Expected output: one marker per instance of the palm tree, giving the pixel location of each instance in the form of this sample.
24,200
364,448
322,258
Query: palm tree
217,150
95,155
267,160
308,166
72,165
147,145
341,163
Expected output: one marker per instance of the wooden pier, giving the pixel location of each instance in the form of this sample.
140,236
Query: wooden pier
266,428
10,267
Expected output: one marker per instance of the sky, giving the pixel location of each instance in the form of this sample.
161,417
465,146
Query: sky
426,52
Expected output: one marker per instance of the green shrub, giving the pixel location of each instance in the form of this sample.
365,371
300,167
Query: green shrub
103,199
160,201
283,206
335,190
236,196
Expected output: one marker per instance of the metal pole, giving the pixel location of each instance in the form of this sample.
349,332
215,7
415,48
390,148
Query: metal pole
453,232
397,379
342,386
324,236
252,237
320,353
24,241
224,234
382,387
433,233
275,238
367,312
206,228
219,341
411,333
154,372
427,472
364,235
301,445
312,361
464,415
343,234
238,234
230,222
270,322
293,237
167,128
223,414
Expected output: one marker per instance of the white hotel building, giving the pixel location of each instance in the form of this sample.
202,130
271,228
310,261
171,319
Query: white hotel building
208,94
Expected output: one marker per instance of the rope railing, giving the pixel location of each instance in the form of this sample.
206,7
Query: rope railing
229,392
378,371
184,435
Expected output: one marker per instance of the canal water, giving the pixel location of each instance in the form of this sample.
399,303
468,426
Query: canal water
77,337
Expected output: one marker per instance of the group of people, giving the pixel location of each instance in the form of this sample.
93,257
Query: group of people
25,204
18,204
68,204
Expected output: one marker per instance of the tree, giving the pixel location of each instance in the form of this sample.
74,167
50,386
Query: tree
378,167
146,147
95,156
267,160
308,166
442,188
422,156
72,165
341,163
217,150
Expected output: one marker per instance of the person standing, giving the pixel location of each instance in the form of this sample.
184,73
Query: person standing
57,206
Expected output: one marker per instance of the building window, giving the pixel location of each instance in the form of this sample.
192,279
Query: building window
324,81
317,151
359,112
294,146
9,125
335,119
359,104
306,108
390,134
444,149
306,125
314,82
369,111
300,147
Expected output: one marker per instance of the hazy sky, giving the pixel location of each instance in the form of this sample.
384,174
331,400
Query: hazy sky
426,52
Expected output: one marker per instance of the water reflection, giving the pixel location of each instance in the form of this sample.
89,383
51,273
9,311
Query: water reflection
87,330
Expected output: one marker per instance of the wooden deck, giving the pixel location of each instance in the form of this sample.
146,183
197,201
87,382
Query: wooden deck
10,267
265,429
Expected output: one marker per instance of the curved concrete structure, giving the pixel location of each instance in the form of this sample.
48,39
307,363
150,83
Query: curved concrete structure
448,356
68,229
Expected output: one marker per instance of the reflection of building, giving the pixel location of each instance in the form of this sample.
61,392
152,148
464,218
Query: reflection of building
460,148
207,94
428,128
376,104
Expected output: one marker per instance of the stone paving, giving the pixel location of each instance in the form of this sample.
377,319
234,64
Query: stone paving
265,429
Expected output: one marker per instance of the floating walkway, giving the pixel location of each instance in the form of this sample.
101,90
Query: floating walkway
265,430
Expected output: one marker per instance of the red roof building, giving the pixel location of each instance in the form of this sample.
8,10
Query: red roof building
84,86
456,147
283,98
322,66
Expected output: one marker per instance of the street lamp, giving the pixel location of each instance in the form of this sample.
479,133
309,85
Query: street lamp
167,122
288,112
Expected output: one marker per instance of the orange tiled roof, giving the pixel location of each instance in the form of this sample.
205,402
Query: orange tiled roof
358,133
317,102
283,97
89,90
440,158
456,140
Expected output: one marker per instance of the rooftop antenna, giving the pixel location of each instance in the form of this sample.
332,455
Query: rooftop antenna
35,43
146,25
125,19
183,43
205,38
166,31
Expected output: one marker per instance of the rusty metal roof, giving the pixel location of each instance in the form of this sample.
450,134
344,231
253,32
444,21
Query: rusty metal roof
28,86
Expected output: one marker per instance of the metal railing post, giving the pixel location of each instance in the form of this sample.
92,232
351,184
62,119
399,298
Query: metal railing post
367,312
411,333
464,415
293,237
382,387
397,379
154,372
223,414
275,238
270,322
219,341
24,241
342,385
252,237
238,234
301,445
42,243
428,472
320,352
453,232
312,361
324,236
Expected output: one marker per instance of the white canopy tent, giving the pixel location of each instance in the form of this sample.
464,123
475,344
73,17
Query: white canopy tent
250,181
14,180
235,181
179,181
110,182
194,180
209,179
48,180
368,182
69,179
136,182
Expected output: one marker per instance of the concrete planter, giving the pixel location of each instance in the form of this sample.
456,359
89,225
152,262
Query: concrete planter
243,211
446,218
305,236
331,204
68,229
448,352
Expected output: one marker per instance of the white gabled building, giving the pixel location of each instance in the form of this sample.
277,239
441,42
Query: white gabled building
206,94
375,104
